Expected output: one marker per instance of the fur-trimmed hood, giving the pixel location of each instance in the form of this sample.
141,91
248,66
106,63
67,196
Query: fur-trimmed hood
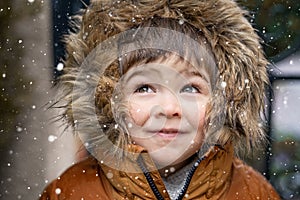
236,47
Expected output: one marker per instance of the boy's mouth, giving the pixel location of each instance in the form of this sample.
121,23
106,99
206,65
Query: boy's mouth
168,133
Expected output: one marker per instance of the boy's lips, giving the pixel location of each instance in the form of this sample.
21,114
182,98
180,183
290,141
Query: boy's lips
169,133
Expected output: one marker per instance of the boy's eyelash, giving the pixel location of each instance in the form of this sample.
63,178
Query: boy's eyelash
147,88
141,86
197,87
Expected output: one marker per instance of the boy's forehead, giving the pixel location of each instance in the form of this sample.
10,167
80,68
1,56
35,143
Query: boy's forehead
171,65
173,60
180,64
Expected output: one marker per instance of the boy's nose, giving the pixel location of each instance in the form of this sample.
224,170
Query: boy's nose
169,106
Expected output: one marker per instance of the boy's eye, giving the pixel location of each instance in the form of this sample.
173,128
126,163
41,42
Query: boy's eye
190,89
144,89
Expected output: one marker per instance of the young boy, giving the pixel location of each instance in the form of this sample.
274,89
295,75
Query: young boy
163,94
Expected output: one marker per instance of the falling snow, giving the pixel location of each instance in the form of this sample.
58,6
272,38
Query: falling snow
57,191
60,67
223,84
19,129
52,138
181,21
109,175
26,160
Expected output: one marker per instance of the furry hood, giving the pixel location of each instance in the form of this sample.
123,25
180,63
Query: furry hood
234,43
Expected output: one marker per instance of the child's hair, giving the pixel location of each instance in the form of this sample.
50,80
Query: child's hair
224,38
158,37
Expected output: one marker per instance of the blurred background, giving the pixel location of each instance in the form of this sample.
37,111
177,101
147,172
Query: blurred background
34,149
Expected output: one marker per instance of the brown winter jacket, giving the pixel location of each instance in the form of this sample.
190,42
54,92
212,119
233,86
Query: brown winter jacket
218,176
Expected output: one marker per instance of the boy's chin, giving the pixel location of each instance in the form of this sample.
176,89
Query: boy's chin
173,158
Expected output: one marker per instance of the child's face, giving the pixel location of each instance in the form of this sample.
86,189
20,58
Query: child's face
167,102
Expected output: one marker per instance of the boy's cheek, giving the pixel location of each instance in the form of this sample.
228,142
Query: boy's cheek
138,114
195,115
193,108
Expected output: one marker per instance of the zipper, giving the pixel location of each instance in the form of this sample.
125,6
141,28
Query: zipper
141,163
153,186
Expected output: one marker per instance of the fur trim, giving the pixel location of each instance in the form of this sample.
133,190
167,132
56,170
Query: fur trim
236,47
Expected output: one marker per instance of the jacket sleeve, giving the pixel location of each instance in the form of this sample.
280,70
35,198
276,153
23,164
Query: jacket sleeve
249,184
82,180
50,192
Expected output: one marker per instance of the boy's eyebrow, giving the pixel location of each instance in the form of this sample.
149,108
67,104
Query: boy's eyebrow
194,73
141,72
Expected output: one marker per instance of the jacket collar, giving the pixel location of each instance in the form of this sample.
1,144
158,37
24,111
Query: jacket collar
211,178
